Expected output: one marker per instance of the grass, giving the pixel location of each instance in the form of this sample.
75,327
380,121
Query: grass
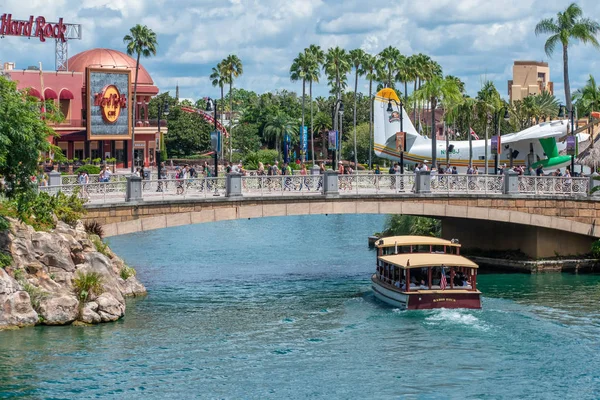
101,247
127,272
5,259
86,284
36,295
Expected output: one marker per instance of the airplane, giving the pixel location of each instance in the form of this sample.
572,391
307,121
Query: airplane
532,147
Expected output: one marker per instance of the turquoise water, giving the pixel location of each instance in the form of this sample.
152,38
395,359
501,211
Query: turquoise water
281,308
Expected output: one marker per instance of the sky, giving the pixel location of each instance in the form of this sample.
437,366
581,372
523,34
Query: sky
476,40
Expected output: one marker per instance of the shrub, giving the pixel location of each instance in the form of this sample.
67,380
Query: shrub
94,228
4,224
127,272
101,247
36,295
39,209
86,284
90,169
596,249
5,259
19,275
265,156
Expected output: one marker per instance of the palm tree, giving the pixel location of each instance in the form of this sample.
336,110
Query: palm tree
219,80
337,65
569,25
300,68
231,67
141,41
465,114
278,127
323,125
358,58
313,75
371,65
438,90
488,103
405,74
390,57
587,99
546,106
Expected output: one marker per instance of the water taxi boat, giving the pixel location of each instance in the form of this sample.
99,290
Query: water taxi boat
420,272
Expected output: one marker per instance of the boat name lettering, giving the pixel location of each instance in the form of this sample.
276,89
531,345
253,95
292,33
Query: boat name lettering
443,299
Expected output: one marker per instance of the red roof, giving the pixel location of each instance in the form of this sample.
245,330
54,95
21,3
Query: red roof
108,58
50,94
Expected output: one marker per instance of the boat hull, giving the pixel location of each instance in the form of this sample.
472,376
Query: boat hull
419,300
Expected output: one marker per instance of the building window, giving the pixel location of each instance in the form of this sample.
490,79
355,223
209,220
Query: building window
65,109
79,150
95,150
64,147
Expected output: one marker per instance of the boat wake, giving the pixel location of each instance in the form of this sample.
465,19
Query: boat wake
455,317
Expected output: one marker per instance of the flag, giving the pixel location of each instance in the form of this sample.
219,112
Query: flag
443,282
474,134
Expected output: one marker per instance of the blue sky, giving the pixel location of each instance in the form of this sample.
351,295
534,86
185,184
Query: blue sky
476,40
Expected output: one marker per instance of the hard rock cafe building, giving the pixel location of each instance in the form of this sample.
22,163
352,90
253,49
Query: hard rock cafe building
94,96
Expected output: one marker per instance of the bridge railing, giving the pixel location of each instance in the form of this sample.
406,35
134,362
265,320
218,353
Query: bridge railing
277,184
463,183
98,192
553,185
184,188
376,183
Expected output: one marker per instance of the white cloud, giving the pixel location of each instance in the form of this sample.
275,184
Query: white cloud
472,39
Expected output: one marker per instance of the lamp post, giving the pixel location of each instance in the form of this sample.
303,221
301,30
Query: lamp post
497,130
163,109
390,109
209,107
337,109
561,114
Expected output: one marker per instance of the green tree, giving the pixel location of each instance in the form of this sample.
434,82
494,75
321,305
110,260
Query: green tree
389,58
410,225
299,70
313,75
489,102
219,80
188,133
231,67
142,42
278,126
337,66
358,58
23,135
442,91
246,138
569,25
587,99
372,64
322,126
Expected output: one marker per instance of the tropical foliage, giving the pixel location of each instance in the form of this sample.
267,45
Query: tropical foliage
410,225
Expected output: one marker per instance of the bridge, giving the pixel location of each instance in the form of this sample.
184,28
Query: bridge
542,216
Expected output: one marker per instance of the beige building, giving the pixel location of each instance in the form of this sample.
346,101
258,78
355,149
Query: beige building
529,78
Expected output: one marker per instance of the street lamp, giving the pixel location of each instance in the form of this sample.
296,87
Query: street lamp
497,142
163,109
571,147
209,107
390,109
337,109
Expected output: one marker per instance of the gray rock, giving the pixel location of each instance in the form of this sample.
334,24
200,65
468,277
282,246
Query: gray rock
109,308
15,305
89,314
59,310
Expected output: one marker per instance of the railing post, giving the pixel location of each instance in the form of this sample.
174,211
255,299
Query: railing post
233,185
511,182
330,183
133,191
594,182
423,182
54,178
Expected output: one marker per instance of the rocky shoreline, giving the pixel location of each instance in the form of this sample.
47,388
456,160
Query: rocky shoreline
44,278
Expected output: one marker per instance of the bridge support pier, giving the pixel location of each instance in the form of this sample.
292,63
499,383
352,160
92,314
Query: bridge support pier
536,242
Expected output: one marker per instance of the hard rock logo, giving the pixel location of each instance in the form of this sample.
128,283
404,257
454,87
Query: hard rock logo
111,102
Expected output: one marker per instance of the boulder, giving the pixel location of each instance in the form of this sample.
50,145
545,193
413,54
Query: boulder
59,310
132,287
109,308
15,305
89,313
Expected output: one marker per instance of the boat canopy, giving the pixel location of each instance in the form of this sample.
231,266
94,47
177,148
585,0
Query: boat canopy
420,260
392,241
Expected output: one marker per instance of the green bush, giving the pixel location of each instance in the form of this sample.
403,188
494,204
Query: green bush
101,247
86,284
127,272
90,169
4,224
5,259
265,156
596,249
36,295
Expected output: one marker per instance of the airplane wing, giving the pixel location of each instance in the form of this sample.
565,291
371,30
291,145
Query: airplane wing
553,129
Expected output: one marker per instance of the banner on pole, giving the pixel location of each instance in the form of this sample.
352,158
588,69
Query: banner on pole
303,143
333,136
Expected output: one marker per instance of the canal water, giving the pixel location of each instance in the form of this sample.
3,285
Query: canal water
281,308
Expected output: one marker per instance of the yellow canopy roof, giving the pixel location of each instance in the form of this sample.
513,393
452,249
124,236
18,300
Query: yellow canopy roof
419,260
413,240
388,93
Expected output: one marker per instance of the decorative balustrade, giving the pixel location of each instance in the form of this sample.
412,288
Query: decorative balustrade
282,184
553,185
301,185
462,183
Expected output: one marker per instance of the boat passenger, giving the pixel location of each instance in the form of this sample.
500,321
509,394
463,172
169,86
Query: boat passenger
423,285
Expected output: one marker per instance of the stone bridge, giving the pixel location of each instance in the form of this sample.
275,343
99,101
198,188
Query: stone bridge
541,226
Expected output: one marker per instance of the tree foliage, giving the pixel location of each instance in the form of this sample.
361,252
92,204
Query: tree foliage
188,133
23,135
